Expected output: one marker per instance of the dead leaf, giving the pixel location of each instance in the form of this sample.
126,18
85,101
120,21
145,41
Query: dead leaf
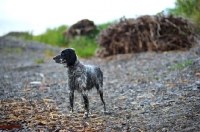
26,90
52,123
93,99
23,99
99,123
43,88
13,117
114,81
79,127
10,127
122,98
120,108
198,74
47,99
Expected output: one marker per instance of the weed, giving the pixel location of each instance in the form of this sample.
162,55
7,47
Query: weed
49,53
180,65
85,47
18,50
39,61
7,49
105,25
156,77
52,37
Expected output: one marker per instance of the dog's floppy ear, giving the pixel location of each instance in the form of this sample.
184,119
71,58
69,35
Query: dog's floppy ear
71,57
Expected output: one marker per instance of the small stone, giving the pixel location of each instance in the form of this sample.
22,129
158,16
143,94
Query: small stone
108,129
195,88
198,82
166,97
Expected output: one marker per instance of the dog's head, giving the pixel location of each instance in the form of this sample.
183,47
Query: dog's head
67,57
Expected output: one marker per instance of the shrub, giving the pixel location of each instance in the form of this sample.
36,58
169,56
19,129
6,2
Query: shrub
85,45
188,9
52,36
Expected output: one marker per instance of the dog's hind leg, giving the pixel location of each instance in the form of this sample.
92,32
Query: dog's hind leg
86,102
101,96
99,88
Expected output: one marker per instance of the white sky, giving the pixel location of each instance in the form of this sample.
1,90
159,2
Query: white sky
38,15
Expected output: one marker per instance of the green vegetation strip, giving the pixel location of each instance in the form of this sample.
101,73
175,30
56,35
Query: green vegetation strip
180,65
84,46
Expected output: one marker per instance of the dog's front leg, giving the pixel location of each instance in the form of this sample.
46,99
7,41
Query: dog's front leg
71,100
86,102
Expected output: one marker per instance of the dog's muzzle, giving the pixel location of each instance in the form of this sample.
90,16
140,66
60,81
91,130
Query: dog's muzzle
58,59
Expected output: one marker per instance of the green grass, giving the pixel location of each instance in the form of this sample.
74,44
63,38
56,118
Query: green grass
49,53
53,37
181,65
39,61
18,50
188,9
85,46
105,25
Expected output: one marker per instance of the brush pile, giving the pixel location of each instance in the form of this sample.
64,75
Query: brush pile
146,33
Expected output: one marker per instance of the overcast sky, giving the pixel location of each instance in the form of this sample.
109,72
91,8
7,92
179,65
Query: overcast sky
37,15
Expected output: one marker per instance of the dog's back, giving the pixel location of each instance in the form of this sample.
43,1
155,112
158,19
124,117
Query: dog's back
94,77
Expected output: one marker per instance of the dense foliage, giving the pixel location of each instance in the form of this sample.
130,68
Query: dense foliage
51,36
188,9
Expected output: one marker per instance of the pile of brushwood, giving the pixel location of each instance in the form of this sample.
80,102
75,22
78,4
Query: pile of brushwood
146,33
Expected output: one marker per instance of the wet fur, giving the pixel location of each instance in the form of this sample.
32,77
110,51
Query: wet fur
81,77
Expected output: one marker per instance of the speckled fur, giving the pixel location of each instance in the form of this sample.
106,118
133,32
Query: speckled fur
81,77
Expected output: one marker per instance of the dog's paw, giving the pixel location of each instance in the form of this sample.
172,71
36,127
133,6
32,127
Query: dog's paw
107,112
71,114
85,116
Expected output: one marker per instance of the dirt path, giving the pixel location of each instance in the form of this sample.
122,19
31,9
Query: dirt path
143,92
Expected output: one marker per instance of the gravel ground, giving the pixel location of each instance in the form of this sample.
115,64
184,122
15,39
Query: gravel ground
143,92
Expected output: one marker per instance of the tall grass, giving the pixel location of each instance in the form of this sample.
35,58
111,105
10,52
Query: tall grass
188,9
84,46
51,36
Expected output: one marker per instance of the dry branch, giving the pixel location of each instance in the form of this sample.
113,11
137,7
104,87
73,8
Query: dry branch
146,33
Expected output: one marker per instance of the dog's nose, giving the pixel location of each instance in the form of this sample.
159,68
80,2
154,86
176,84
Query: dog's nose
57,57
54,58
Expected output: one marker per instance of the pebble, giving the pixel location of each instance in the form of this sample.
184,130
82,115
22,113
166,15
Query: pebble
149,104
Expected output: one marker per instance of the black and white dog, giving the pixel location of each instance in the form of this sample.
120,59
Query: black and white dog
81,77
